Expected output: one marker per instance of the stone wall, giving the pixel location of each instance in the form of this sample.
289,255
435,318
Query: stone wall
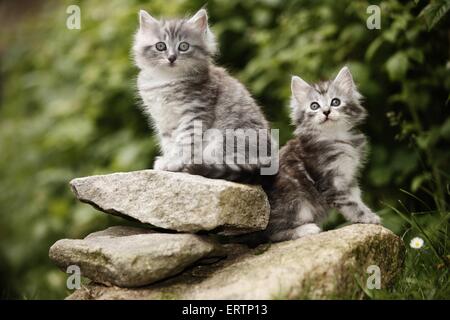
184,260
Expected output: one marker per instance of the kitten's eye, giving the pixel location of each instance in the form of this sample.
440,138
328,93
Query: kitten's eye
315,106
183,46
335,102
161,46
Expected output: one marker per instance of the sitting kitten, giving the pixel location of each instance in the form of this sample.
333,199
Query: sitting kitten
181,87
319,167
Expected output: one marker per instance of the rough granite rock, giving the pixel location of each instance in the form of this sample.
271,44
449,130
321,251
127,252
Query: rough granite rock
327,265
131,257
177,201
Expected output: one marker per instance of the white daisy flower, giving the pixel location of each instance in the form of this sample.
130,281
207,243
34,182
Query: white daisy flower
416,243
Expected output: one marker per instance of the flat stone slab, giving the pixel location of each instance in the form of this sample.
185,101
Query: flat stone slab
131,257
177,201
332,264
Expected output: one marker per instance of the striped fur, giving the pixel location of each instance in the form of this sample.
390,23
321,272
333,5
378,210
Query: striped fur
319,166
192,90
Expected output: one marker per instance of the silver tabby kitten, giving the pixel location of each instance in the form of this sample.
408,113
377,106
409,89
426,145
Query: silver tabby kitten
181,88
319,166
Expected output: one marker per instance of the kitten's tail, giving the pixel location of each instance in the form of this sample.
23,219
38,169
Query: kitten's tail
249,174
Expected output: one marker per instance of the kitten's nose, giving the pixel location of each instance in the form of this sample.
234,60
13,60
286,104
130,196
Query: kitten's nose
172,58
326,113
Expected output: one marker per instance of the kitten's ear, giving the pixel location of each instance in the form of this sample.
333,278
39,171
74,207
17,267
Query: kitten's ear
299,87
344,80
146,21
200,20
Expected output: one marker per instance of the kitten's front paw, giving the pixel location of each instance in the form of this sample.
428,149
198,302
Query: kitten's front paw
168,164
369,218
175,165
160,164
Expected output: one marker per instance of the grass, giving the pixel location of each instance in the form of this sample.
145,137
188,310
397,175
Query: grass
424,277
426,269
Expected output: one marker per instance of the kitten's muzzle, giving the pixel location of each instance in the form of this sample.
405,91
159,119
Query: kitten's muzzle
326,113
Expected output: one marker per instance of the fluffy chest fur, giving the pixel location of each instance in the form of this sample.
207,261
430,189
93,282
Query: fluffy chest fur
345,165
159,104
332,161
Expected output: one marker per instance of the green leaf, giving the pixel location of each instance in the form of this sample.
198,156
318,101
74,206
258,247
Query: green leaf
445,129
397,66
416,54
428,138
373,48
419,180
435,12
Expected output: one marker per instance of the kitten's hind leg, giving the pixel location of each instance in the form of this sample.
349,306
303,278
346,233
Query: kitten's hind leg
306,230
354,210
295,233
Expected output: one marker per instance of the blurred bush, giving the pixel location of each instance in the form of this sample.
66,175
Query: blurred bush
69,107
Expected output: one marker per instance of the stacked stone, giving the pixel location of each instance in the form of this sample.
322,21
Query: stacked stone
175,247
179,205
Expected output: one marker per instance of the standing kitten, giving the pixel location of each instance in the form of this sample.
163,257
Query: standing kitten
181,88
319,167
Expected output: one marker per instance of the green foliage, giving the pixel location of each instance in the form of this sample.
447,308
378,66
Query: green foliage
69,108
435,12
